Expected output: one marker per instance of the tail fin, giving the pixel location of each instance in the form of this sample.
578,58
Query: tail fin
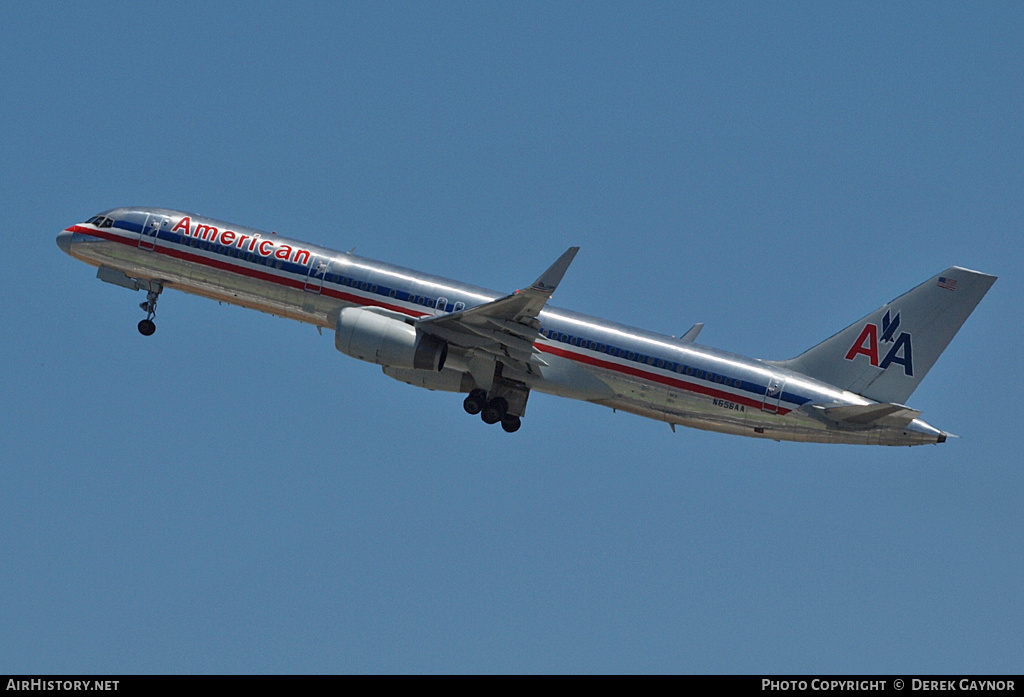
886,355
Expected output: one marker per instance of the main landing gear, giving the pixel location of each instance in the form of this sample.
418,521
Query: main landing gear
492,410
146,326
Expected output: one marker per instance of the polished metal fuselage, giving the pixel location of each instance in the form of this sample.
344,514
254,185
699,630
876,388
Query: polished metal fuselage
586,358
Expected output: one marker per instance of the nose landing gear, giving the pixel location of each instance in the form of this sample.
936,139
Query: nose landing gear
146,326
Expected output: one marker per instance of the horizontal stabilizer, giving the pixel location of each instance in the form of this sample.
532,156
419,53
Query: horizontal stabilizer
867,414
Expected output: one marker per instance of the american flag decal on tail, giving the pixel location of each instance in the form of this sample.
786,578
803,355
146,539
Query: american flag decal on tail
947,283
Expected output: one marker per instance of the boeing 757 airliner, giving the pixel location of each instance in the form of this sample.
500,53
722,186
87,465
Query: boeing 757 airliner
444,335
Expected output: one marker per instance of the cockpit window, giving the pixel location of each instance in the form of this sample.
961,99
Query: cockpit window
100,221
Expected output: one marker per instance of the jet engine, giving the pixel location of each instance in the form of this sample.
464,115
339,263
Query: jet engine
387,341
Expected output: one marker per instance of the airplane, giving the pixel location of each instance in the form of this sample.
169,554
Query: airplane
497,348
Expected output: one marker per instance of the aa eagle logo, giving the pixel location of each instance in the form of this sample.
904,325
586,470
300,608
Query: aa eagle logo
901,352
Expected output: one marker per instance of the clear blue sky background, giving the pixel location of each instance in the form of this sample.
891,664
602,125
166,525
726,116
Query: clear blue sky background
233,495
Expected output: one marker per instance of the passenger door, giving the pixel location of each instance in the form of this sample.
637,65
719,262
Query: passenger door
151,228
317,270
772,395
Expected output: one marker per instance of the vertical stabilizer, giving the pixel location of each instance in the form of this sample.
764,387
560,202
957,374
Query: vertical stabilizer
886,355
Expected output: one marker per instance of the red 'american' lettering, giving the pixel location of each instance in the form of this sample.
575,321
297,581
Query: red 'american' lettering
229,238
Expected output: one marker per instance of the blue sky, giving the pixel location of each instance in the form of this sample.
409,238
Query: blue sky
233,495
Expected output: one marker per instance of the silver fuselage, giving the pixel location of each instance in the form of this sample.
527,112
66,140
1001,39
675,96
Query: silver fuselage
584,358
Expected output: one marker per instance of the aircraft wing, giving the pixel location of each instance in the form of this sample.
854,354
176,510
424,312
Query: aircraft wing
506,327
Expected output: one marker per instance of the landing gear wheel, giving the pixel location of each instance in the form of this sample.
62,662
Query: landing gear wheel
511,424
475,402
494,411
146,326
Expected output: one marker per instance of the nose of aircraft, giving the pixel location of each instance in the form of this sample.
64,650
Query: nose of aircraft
64,241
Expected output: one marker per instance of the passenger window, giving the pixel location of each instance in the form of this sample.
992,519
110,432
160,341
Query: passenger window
460,306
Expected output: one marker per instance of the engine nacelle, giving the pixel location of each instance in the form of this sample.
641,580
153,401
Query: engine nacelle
387,341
